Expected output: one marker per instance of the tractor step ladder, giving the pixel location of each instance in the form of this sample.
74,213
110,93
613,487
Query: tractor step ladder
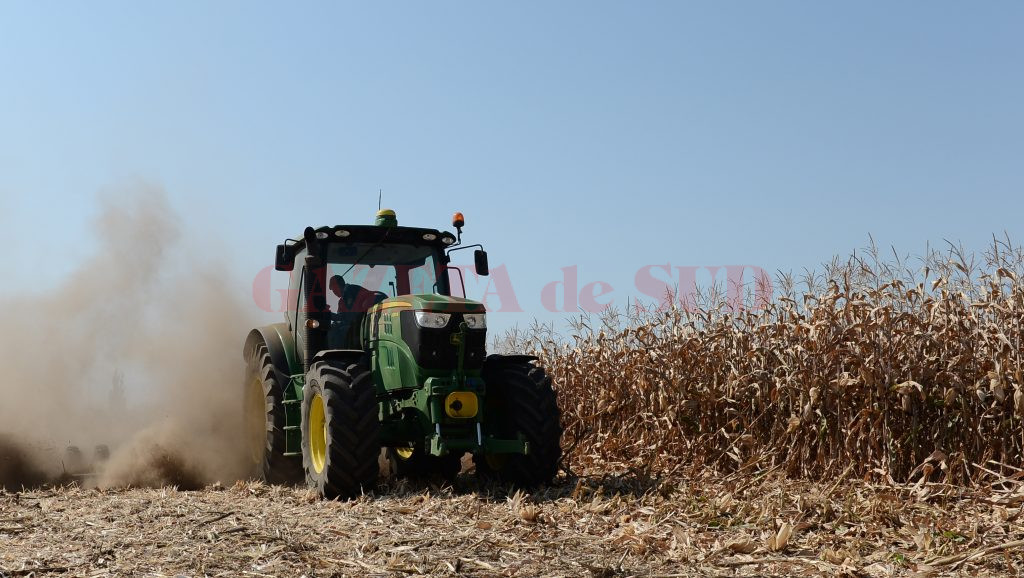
292,433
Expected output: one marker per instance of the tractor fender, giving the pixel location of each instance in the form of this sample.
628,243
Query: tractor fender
280,344
346,356
497,359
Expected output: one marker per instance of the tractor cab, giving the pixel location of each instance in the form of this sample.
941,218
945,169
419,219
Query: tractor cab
351,269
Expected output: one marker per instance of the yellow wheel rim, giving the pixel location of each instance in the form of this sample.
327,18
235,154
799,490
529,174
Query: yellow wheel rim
404,453
318,433
256,417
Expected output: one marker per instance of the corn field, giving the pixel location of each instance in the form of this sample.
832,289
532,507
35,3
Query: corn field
883,367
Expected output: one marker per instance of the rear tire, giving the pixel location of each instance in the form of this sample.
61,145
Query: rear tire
265,421
340,430
520,400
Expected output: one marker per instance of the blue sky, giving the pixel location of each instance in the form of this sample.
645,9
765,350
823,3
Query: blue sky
606,135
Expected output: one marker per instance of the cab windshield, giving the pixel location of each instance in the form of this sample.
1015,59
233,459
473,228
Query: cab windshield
387,269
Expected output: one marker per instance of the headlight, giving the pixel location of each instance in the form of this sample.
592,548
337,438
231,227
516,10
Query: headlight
476,320
432,320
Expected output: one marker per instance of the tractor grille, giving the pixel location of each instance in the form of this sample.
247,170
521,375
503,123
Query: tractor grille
433,348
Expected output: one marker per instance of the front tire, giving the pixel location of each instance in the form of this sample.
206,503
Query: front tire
520,400
340,430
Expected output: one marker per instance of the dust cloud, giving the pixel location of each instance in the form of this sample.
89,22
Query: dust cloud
128,372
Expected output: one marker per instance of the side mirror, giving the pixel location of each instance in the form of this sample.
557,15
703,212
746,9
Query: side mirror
480,261
285,260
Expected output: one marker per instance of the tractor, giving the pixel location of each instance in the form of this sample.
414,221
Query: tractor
376,352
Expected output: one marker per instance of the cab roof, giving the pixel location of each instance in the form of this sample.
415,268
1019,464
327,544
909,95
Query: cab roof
376,234
287,251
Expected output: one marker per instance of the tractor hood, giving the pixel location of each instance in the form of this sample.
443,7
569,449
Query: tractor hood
434,333
433,302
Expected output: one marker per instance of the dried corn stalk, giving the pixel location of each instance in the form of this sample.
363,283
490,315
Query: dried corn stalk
868,368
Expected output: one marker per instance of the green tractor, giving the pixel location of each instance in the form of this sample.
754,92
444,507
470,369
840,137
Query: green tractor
375,352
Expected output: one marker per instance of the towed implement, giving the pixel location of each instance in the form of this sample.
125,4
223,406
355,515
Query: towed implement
375,352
